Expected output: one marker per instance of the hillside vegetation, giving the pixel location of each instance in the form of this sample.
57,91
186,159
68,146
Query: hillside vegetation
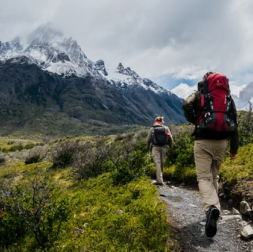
94,193
38,102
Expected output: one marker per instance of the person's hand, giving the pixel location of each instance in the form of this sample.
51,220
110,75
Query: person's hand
233,155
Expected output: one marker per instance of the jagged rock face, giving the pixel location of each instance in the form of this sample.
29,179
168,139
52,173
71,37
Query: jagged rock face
53,75
10,49
100,66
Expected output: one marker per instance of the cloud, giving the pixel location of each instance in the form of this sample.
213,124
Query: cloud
235,90
183,90
159,39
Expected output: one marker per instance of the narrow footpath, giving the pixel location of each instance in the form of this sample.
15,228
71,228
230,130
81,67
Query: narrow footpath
188,223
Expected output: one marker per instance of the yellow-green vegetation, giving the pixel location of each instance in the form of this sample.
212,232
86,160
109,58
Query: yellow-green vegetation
239,168
94,193
13,144
86,194
115,218
179,162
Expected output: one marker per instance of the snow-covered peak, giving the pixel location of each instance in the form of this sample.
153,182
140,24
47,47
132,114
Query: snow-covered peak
51,51
125,76
55,53
10,49
44,34
127,71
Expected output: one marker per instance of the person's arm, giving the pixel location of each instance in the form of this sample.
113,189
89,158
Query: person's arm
149,139
168,132
234,140
234,144
188,107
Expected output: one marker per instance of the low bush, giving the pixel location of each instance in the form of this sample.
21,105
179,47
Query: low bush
128,159
181,156
245,126
240,167
16,148
2,160
33,209
91,160
64,154
34,156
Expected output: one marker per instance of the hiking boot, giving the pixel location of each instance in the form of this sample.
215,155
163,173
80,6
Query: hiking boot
212,217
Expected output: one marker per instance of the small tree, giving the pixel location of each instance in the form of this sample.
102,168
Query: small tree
36,207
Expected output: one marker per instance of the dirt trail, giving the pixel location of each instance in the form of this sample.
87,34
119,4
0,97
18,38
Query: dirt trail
188,220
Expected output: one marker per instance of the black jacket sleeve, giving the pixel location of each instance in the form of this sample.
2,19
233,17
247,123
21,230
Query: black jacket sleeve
189,107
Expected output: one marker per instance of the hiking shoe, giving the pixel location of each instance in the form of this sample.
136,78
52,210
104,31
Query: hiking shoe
212,217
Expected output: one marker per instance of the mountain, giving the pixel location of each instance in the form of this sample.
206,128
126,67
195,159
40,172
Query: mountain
50,87
245,98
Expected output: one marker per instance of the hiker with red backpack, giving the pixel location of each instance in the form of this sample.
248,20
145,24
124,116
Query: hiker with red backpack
158,140
213,112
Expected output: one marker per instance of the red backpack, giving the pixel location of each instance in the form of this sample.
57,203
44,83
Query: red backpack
216,105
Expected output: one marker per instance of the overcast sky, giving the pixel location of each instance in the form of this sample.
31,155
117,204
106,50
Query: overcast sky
171,42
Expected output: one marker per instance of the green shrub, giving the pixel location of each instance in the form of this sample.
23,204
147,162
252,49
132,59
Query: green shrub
34,156
64,154
33,159
239,168
181,157
128,160
91,160
245,127
128,166
12,227
16,148
2,160
29,146
34,209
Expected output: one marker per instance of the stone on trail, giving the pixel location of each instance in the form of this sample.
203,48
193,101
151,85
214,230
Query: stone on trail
245,208
231,217
247,232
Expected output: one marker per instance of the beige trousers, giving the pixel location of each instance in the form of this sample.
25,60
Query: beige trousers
208,156
158,153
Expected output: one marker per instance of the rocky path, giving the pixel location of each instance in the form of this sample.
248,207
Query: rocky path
188,223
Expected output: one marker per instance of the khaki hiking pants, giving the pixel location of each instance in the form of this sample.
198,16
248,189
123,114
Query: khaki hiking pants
208,155
158,153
